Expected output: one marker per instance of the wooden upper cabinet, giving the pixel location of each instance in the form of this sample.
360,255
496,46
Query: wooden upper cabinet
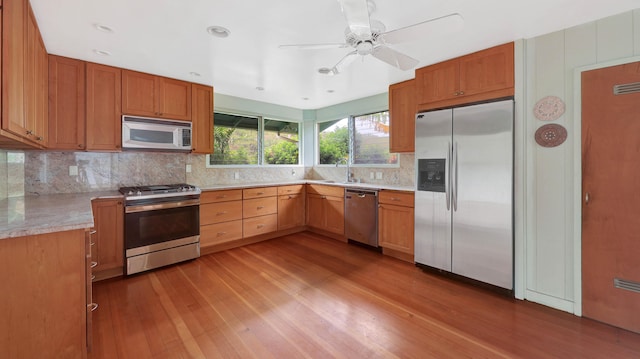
155,96
103,101
483,75
402,113
66,103
202,118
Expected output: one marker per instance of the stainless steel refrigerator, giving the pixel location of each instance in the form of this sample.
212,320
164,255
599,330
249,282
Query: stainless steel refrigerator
464,191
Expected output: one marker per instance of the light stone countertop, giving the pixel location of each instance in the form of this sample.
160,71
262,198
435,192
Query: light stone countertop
31,215
323,182
39,214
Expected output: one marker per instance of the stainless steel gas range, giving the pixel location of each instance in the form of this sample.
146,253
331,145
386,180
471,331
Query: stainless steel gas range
161,225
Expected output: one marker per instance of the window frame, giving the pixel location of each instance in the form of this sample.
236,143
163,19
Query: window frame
351,126
260,143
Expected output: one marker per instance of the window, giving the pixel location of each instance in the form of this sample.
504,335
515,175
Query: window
281,142
247,140
366,137
333,141
371,140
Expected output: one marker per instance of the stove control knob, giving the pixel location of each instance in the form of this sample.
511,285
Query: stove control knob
130,193
139,193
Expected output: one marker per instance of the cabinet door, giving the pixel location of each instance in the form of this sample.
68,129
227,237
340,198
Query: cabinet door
290,211
218,212
104,129
395,227
66,103
487,70
108,218
14,15
259,207
334,214
437,82
174,99
218,233
402,114
139,94
259,225
315,212
202,118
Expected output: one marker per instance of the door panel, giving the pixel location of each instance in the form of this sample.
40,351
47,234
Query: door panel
482,193
432,217
610,171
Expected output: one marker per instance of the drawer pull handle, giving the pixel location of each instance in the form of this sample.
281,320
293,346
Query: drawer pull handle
93,244
93,232
395,199
260,226
94,306
260,193
323,197
221,213
94,264
93,277
260,207
221,234
222,196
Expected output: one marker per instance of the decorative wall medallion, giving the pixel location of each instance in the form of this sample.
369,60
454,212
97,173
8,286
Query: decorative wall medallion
551,135
548,108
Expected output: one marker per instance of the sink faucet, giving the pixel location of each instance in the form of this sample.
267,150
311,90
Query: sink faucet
348,173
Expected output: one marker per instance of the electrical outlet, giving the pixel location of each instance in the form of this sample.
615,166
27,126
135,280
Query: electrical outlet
378,175
371,175
73,170
293,172
188,169
236,175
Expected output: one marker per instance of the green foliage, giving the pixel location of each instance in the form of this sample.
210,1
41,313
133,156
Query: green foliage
334,146
234,146
282,153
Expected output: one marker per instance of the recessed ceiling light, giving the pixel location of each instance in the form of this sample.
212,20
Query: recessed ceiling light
326,71
103,28
260,88
195,74
305,98
102,52
218,31
330,91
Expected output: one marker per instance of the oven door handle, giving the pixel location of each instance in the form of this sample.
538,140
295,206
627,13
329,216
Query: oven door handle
158,206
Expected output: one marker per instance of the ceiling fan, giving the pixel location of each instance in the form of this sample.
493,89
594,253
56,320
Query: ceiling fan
368,37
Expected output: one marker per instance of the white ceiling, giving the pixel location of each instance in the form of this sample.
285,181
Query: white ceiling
169,38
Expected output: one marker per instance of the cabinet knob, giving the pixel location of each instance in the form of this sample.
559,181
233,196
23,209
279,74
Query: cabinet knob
29,132
219,234
260,207
39,138
94,306
94,264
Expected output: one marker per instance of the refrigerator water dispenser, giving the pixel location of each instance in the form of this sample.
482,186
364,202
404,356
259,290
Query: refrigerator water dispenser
431,175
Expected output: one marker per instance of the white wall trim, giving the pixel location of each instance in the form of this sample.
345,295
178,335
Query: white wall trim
550,301
577,178
519,174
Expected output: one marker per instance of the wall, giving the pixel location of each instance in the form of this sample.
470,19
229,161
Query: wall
553,174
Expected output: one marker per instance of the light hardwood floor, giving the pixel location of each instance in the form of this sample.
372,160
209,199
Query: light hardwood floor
307,296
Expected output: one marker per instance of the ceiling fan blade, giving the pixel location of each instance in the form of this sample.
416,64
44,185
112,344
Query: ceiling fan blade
394,58
357,14
448,23
315,46
342,65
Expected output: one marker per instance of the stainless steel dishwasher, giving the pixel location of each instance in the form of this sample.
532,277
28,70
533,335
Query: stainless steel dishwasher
361,215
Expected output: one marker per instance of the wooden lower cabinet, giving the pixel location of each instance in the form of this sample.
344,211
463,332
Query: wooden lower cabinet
290,211
259,225
219,233
325,208
396,224
108,239
43,303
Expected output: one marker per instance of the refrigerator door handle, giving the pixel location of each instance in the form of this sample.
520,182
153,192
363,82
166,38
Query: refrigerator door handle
454,178
447,183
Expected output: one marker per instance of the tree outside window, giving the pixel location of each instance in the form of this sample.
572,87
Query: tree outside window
333,141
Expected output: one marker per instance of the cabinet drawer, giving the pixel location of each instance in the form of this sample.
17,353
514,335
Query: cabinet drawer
260,225
259,192
293,189
259,207
334,191
221,196
398,198
220,233
220,212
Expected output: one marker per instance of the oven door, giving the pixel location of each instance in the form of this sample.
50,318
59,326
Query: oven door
156,227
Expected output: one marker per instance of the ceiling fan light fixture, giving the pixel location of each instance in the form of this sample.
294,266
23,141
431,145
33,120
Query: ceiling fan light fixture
327,71
218,31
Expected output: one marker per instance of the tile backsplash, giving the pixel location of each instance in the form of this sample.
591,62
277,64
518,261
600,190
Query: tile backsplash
44,172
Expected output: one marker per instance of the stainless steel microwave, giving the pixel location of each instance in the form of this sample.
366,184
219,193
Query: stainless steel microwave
142,133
